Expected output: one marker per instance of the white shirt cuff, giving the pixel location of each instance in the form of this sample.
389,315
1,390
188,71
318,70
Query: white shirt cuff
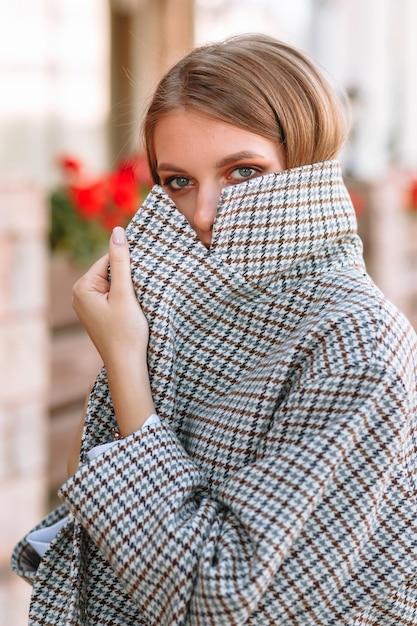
94,452
40,539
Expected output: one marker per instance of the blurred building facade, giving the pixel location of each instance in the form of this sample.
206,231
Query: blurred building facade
75,76
370,48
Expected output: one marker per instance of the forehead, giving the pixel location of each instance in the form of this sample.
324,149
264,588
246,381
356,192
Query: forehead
181,131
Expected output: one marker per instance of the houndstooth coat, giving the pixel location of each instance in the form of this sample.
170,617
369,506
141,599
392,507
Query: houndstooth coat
279,487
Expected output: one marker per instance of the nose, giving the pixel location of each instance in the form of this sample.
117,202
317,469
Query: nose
205,212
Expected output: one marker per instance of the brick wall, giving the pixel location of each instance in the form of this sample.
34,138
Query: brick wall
74,365
24,372
46,365
388,228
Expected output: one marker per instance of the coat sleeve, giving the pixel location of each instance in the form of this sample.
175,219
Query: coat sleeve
24,559
189,556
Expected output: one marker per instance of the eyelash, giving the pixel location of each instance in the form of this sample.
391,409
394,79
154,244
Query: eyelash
246,167
168,181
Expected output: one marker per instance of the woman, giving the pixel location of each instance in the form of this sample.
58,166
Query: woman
263,392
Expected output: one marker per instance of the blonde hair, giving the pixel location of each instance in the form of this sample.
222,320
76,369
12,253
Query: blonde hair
258,84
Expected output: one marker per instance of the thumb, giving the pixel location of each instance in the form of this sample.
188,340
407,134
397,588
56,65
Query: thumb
119,259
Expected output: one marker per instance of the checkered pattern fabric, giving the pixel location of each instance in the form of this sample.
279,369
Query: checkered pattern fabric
280,486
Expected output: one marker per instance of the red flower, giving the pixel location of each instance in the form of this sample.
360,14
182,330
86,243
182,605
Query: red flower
71,168
99,203
123,191
413,194
142,171
89,200
67,162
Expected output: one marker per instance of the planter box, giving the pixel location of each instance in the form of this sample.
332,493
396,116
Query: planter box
74,365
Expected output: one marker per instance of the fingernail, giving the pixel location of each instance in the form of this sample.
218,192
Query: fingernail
119,235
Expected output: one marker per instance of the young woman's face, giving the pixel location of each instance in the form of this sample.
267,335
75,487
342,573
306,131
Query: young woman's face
197,156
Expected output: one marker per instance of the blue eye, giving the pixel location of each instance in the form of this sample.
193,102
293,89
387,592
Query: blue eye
240,173
178,182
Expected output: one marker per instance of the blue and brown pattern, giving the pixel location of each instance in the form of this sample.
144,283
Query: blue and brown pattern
280,486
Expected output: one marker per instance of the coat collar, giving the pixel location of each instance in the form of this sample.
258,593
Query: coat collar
274,239
289,224
275,227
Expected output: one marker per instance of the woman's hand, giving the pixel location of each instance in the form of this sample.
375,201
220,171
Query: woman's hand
112,316
111,313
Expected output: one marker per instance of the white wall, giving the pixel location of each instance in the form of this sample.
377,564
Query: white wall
369,46
53,84
287,20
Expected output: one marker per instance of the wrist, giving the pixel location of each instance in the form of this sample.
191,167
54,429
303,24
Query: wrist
131,394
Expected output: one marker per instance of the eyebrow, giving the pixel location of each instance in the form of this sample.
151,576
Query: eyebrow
238,156
231,158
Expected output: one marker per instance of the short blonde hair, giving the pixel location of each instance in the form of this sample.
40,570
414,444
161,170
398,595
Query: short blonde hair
260,85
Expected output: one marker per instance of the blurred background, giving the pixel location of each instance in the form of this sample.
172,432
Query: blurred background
75,76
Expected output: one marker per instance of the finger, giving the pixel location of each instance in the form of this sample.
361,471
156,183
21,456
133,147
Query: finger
119,258
94,280
100,268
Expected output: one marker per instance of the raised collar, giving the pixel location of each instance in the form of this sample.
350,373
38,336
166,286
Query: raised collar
284,225
214,312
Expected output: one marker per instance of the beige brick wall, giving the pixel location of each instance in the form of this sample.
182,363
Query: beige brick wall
24,374
388,228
